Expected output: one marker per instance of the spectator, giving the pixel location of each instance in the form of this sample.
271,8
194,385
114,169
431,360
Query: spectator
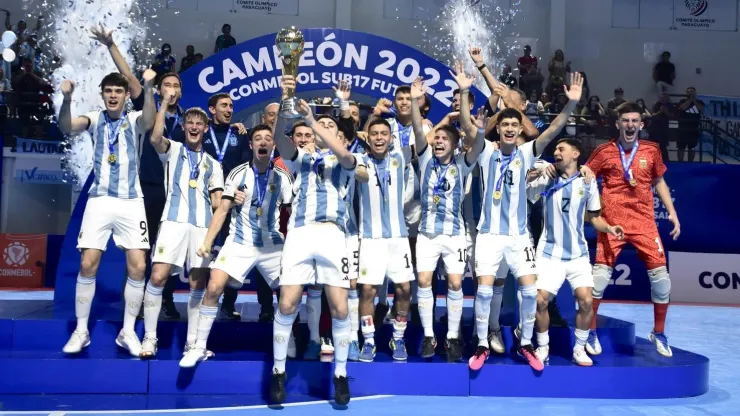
664,73
586,90
593,116
507,78
545,99
534,106
689,123
645,112
28,88
224,40
164,62
525,62
198,58
189,59
660,132
558,67
611,110
555,87
532,81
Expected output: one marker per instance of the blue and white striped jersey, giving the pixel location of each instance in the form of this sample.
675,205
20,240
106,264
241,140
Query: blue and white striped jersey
564,211
320,188
119,179
504,176
442,193
186,204
381,199
251,223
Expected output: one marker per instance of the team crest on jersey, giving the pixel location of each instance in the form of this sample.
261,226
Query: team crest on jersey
363,271
453,171
643,163
332,158
160,250
125,124
222,259
581,191
271,187
394,163
232,140
517,162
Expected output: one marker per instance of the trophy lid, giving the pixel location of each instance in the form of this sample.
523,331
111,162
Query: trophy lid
289,35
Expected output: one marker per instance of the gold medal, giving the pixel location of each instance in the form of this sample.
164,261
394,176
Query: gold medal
436,199
259,211
497,195
193,183
633,182
112,159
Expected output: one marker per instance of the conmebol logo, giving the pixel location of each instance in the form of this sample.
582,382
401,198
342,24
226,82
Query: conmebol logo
697,7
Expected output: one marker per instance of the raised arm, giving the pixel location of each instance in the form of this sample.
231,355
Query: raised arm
149,112
382,107
479,123
418,89
105,37
160,143
464,82
574,95
327,138
477,56
67,124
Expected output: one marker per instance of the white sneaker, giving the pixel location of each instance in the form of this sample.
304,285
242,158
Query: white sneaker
129,342
543,353
661,344
148,347
496,342
327,348
77,342
593,346
191,346
193,357
581,358
292,350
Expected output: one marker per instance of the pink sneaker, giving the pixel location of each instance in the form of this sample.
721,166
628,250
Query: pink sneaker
527,352
476,361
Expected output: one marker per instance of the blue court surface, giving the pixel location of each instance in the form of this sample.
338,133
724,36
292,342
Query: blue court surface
709,331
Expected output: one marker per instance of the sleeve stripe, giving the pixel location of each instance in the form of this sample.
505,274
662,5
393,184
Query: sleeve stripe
236,171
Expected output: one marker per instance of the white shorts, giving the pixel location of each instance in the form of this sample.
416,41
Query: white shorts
315,254
452,249
353,254
552,274
177,244
381,257
516,251
237,260
106,215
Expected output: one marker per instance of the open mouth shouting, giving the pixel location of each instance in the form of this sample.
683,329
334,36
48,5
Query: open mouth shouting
509,135
630,134
262,151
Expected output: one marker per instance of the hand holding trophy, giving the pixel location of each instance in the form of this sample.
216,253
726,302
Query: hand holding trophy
290,43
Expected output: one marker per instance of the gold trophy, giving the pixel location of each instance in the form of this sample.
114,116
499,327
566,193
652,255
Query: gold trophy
290,43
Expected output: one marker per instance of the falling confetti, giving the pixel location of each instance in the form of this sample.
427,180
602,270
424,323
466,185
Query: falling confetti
464,23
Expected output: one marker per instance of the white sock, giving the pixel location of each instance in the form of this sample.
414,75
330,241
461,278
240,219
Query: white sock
543,338
152,306
399,325
383,293
581,338
354,314
340,329
426,307
454,312
482,310
84,293
528,308
496,301
368,329
313,313
196,296
281,329
205,321
133,295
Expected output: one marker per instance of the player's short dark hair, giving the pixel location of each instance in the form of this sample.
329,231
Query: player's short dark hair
574,143
508,113
451,131
259,127
629,107
471,96
196,112
169,75
377,121
215,98
295,126
114,79
403,89
329,116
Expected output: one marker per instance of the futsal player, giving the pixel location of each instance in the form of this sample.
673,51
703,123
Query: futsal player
115,205
630,168
502,231
318,211
254,239
442,175
194,186
562,252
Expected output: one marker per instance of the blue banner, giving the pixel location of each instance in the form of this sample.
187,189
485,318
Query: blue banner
250,72
38,146
40,176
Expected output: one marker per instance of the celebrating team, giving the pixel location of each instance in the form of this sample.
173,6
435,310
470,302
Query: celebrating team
385,203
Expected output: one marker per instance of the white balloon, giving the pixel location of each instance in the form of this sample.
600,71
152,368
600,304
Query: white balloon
9,38
8,55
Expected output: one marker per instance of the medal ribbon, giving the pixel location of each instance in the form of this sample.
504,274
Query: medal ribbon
441,174
194,163
112,132
559,184
626,163
260,183
505,162
220,151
